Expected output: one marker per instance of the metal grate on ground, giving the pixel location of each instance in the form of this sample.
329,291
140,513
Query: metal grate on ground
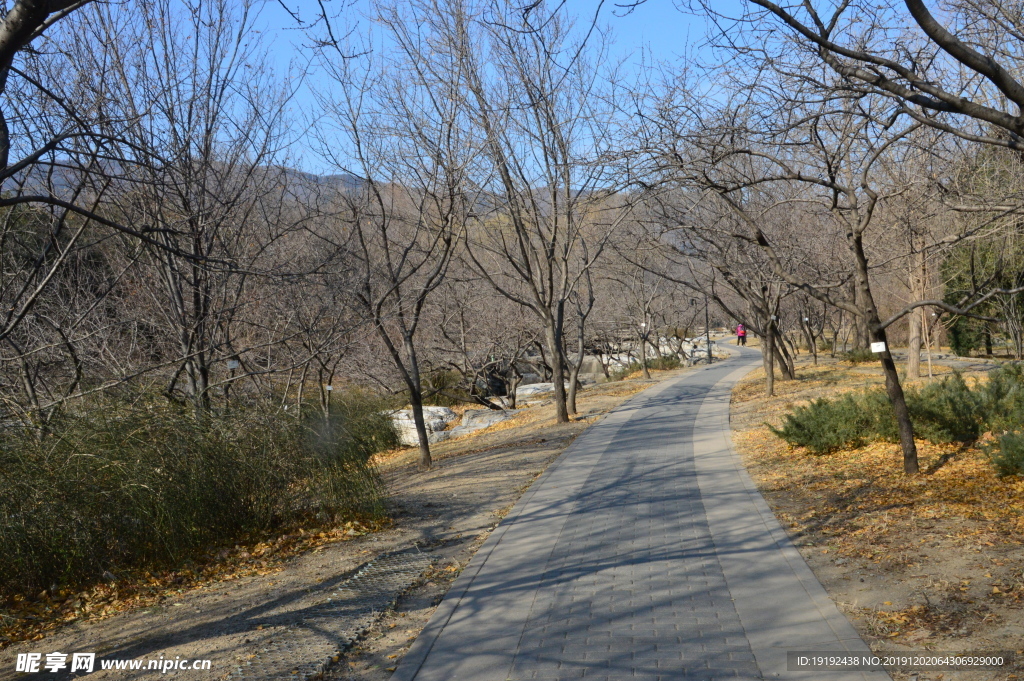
305,649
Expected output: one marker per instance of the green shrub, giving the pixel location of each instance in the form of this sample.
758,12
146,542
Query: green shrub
360,425
825,425
1002,398
860,356
125,486
664,363
943,411
1008,454
946,411
878,412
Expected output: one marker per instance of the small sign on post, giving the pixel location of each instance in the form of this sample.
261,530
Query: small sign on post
328,388
878,347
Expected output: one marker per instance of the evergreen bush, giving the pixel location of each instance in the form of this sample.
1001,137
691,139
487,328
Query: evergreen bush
860,356
128,485
1002,398
1008,454
664,363
824,425
944,411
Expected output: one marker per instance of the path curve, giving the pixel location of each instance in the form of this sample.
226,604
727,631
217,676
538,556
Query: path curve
644,552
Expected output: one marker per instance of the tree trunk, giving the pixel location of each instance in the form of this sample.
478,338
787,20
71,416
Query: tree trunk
914,345
415,385
812,345
570,398
301,390
785,360
545,366
861,327
325,395
553,340
511,385
416,400
861,335
835,335
779,359
768,359
899,404
197,382
915,318
574,368
869,315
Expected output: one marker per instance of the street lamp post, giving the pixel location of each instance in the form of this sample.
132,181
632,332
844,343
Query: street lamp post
643,349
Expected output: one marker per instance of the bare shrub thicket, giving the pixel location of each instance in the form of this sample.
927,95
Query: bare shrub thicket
146,373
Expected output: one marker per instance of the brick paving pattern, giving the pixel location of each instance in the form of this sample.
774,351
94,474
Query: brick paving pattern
633,559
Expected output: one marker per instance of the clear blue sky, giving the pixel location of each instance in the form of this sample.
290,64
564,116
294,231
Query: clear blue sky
656,28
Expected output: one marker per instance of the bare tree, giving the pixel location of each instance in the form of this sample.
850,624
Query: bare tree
956,72
689,239
408,157
60,128
480,336
205,171
23,22
532,101
820,151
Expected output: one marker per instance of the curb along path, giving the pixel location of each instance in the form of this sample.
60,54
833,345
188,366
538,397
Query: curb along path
643,552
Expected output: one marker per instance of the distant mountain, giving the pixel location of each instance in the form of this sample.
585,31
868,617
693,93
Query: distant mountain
61,179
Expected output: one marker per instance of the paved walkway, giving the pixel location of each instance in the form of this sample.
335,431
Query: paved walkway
644,552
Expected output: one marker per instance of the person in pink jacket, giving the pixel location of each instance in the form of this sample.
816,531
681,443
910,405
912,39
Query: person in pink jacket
741,335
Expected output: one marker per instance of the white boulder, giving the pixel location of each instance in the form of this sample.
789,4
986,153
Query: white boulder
436,420
533,390
479,419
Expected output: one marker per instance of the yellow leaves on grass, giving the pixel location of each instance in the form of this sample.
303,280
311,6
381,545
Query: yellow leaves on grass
26,617
860,503
958,483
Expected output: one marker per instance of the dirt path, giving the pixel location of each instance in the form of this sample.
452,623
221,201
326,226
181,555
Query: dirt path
446,512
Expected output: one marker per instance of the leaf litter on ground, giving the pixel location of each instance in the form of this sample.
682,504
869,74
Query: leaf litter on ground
859,505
